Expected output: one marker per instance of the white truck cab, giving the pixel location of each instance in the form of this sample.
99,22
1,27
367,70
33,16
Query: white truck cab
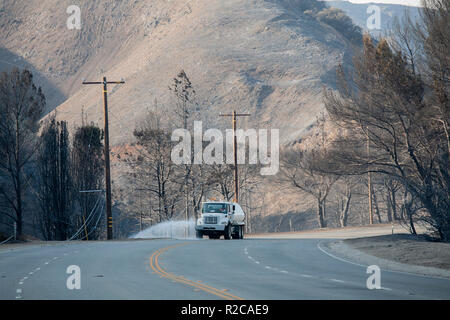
221,218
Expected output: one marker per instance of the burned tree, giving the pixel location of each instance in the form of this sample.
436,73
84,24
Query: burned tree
303,170
403,115
55,188
184,93
88,173
153,170
21,107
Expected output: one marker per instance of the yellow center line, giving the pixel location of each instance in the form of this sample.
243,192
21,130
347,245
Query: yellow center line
154,264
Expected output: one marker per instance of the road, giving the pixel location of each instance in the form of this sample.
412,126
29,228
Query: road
200,269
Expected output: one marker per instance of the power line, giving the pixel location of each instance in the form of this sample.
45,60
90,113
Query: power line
98,219
86,221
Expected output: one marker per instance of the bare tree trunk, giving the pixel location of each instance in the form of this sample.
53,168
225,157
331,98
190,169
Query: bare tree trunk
389,207
19,211
321,213
394,205
279,224
375,202
408,203
403,213
411,224
345,205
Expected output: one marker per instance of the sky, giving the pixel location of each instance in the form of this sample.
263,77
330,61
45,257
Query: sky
415,3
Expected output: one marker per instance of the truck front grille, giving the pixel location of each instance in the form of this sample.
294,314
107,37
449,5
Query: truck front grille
210,220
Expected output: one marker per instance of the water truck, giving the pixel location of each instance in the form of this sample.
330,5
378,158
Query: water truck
221,218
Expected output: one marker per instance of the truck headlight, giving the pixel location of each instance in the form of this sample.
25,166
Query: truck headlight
199,221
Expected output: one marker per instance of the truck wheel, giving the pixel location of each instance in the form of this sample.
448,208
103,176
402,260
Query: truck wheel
241,232
199,235
235,234
238,233
228,231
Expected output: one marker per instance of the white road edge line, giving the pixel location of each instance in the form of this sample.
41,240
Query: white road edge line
365,266
337,258
337,280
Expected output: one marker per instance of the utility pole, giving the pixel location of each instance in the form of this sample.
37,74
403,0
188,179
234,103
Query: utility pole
140,210
369,184
109,221
234,116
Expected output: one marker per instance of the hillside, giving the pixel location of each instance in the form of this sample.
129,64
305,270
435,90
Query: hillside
264,57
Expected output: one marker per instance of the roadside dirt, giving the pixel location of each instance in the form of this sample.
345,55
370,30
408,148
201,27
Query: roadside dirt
335,233
405,248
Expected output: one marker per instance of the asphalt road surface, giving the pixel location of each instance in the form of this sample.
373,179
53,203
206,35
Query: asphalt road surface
200,269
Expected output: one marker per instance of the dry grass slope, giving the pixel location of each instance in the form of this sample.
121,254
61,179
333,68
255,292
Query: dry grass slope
257,56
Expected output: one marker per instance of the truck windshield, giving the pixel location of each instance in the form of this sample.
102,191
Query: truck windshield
214,208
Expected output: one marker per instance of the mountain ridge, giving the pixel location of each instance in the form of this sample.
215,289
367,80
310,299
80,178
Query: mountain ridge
260,56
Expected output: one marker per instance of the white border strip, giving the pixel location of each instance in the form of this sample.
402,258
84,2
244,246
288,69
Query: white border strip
387,270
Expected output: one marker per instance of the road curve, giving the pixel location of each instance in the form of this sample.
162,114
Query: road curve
200,269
